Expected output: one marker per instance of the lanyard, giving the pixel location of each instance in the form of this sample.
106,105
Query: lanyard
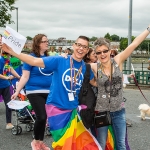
74,74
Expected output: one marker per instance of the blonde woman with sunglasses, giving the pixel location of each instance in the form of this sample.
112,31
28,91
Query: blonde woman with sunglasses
110,98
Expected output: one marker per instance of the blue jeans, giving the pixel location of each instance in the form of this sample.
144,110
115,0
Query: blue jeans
119,127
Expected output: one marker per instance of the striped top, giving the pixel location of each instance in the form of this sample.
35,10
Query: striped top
110,100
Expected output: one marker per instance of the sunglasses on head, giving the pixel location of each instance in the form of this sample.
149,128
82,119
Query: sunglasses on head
99,53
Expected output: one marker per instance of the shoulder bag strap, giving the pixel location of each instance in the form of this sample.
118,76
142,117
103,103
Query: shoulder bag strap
86,79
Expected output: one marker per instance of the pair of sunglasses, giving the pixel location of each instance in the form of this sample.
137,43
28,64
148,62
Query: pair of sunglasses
99,53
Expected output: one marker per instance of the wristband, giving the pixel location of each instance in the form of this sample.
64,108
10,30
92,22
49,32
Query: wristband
148,29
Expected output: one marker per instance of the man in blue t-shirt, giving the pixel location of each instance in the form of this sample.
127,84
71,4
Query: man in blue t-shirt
68,73
67,79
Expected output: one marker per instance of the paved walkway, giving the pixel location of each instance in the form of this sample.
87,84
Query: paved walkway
138,134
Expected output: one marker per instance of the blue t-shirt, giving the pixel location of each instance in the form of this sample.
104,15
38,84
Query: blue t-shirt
61,83
3,83
40,78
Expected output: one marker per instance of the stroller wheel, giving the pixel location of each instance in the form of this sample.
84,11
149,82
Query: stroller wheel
19,129
47,130
32,127
14,130
28,127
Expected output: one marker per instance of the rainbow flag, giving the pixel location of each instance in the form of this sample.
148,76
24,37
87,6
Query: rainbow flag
110,143
68,131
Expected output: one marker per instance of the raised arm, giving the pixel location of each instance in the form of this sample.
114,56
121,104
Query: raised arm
121,57
33,61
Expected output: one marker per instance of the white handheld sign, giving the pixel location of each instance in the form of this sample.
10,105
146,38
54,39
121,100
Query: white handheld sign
13,39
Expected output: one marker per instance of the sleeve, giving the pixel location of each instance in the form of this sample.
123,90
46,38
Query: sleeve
26,67
52,62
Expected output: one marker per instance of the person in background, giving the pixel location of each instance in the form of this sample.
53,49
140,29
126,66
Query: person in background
37,83
52,51
5,76
110,90
90,57
60,51
68,51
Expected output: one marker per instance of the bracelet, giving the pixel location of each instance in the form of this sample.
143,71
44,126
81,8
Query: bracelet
148,29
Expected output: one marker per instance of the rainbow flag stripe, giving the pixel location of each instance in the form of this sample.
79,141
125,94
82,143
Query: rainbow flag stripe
68,131
110,144
6,34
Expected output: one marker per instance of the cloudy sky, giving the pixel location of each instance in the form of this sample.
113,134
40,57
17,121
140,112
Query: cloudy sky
69,19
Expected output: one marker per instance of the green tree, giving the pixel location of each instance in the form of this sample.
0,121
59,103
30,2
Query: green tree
29,38
123,43
5,16
107,36
93,38
115,38
144,45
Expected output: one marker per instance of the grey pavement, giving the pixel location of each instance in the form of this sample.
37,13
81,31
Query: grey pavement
138,134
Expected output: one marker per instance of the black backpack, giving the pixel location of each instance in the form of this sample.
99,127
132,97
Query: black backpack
88,98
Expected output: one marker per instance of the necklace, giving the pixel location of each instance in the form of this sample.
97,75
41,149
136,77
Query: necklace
6,69
108,75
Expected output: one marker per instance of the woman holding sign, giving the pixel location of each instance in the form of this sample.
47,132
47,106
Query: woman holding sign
37,82
5,75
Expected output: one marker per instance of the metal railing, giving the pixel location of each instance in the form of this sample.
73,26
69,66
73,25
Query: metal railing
142,77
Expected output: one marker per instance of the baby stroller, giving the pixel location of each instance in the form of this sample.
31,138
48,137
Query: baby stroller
23,112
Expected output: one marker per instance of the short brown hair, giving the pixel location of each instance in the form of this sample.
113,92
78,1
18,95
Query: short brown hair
83,37
102,41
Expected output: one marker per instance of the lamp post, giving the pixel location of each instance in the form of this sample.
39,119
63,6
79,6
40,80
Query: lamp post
129,33
13,8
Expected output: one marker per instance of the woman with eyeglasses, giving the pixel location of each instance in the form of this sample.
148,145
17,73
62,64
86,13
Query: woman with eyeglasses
37,83
110,89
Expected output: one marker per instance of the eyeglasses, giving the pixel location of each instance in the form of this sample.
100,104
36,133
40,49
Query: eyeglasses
83,46
44,41
99,53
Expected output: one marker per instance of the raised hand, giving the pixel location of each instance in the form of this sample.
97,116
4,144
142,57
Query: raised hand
6,48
